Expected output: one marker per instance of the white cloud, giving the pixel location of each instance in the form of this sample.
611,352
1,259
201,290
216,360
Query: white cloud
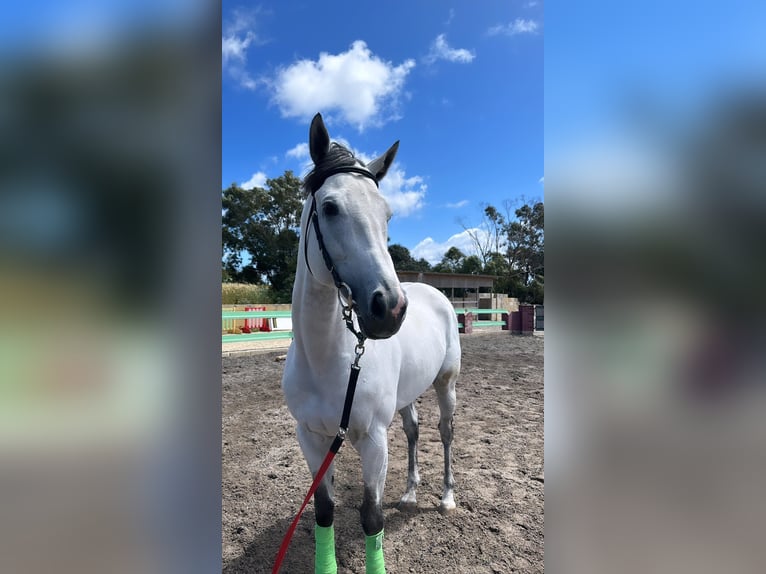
258,180
518,26
357,85
236,40
300,151
405,195
541,181
433,251
458,204
440,50
234,53
235,48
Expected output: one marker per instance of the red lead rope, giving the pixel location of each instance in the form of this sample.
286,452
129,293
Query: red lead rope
317,479
334,447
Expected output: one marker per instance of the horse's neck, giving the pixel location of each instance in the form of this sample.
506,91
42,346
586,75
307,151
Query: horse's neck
318,329
317,324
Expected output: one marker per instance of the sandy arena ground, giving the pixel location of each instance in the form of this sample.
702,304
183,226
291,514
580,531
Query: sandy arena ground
498,467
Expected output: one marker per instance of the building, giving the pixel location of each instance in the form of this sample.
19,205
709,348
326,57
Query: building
463,290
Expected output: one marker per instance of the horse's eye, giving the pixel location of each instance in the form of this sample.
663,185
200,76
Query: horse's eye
329,208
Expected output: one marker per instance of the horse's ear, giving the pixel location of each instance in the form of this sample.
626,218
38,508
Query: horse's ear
319,139
379,167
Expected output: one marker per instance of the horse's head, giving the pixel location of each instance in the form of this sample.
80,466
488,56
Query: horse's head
352,228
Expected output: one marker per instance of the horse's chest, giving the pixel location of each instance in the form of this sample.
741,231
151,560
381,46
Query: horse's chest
320,409
317,402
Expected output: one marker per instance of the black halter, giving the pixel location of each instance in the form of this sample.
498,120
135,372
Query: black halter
314,217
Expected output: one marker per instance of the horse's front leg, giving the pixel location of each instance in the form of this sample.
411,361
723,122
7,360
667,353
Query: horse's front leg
373,450
315,447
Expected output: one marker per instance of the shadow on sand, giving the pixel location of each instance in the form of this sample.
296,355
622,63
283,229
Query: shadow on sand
259,555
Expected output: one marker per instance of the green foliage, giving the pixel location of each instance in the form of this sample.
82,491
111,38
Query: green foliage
471,265
496,265
420,265
400,256
525,249
455,261
263,223
512,247
525,253
243,293
403,260
451,261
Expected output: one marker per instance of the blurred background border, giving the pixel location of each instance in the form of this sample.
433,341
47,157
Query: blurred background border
110,163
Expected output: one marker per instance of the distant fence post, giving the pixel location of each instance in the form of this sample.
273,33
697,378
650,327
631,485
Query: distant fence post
514,322
527,319
467,321
506,319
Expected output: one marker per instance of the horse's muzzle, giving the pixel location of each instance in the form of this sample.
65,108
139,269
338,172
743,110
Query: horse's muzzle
383,315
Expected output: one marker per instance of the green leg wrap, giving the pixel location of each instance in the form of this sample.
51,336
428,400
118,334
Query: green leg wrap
324,553
373,546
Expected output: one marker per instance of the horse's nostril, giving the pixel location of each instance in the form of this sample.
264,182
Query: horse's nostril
378,306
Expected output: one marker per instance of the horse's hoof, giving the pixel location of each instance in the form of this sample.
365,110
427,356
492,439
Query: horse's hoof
447,509
408,505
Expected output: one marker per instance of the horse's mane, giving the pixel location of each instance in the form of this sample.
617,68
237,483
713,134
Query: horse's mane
337,156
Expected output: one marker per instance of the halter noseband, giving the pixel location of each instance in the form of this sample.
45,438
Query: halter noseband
314,217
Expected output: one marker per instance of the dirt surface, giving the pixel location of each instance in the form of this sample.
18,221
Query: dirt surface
498,467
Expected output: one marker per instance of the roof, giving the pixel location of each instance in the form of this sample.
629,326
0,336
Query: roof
448,280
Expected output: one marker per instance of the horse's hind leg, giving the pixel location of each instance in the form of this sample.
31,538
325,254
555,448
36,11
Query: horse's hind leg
410,424
445,392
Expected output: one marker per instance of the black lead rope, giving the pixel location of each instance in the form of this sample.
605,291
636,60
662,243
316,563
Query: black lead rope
353,376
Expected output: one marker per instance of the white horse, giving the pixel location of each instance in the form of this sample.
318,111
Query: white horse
403,356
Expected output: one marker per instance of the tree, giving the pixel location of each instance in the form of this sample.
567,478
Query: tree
525,253
451,261
400,255
526,243
497,265
420,265
263,224
487,237
510,246
403,260
471,265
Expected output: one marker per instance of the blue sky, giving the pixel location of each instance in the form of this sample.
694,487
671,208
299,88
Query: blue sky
460,86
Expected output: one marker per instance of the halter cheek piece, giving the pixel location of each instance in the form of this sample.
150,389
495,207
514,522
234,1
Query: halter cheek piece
314,217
